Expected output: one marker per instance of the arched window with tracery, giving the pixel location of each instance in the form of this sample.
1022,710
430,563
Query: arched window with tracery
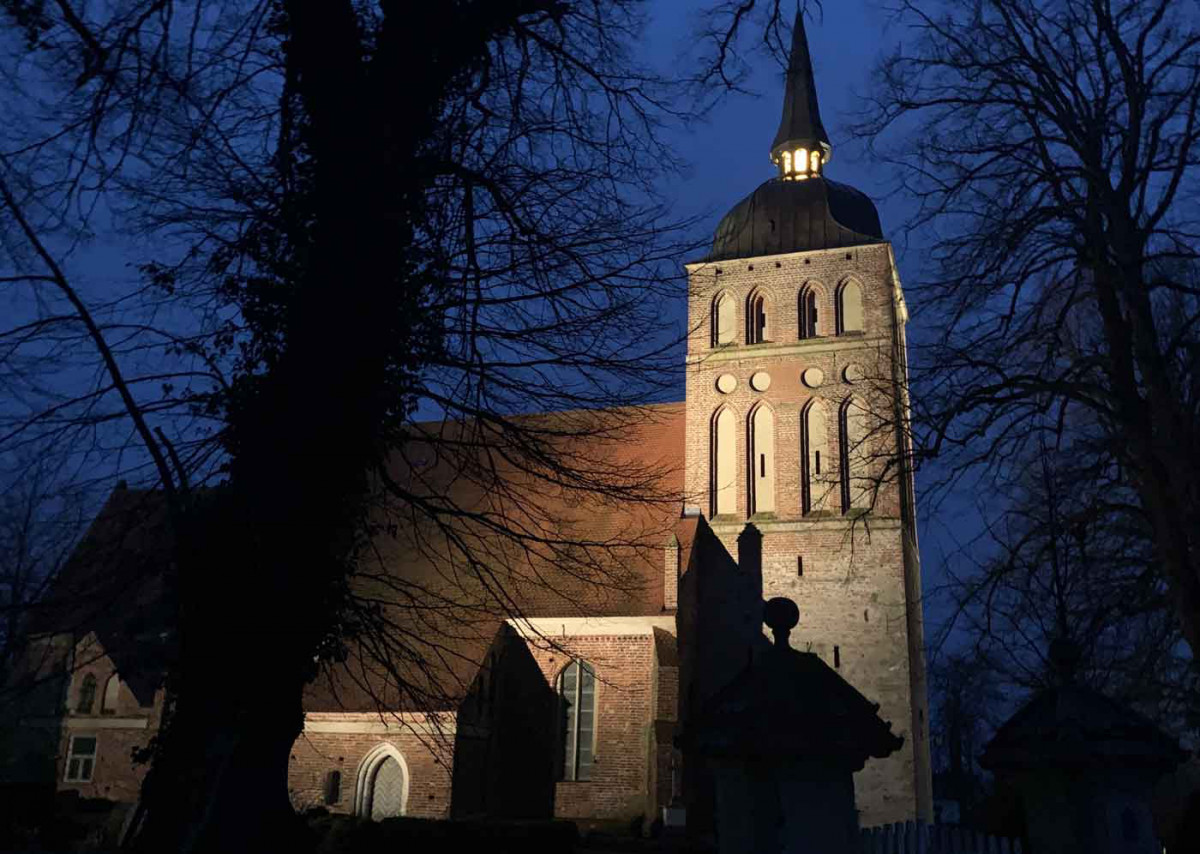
762,460
856,480
817,465
112,693
758,311
850,307
577,719
724,320
87,695
724,463
812,315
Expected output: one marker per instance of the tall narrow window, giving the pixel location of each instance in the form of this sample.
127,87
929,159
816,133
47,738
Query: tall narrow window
724,323
333,787
757,315
112,692
762,449
850,307
856,480
724,463
87,695
577,718
815,443
81,758
811,321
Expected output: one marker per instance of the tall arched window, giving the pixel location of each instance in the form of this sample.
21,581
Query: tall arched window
724,319
724,463
577,719
817,464
758,309
850,307
856,480
381,790
87,695
762,460
112,692
812,319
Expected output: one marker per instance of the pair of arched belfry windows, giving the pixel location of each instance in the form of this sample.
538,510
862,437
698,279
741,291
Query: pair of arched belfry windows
813,322
760,452
830,474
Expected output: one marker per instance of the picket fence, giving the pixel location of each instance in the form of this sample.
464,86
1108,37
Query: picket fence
908,837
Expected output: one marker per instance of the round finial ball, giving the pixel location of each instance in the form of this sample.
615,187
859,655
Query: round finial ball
781,614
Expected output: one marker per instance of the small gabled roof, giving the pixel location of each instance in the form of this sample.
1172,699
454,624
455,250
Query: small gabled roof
1071,724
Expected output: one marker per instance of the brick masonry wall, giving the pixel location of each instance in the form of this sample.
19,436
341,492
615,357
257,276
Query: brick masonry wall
315,754
619,787
855,591
118,732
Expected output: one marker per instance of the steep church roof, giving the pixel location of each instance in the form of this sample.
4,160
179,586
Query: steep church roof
113,583
800,209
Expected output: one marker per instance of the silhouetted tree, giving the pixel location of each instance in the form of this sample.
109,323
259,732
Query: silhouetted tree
369,214
1073,556
1052,149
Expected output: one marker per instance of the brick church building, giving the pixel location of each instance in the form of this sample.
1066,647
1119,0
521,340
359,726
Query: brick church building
789,451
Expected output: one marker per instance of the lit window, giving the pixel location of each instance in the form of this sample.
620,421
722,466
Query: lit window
816,478
762,451
850,307
801,161
87,695
112,692
787,162
81,758
724,322
724,463
856,476
577,718
815,161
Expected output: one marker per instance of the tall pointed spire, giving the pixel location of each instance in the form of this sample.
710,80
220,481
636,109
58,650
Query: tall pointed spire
801,146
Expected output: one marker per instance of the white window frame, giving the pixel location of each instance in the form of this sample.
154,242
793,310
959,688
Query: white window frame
78,778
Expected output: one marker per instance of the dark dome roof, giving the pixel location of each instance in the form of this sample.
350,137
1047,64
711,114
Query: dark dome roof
795,216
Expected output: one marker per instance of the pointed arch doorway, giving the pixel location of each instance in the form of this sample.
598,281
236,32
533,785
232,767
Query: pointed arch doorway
381,790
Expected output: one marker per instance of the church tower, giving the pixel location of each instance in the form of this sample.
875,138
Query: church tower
797,421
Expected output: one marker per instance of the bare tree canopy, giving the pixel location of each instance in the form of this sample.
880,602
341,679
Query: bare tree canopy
355,218
1052,150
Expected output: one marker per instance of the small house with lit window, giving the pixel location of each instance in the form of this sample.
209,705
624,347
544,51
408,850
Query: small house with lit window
787,470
